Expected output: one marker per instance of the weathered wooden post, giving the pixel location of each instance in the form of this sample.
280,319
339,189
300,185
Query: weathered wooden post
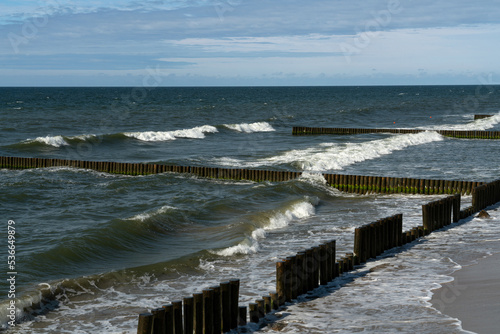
358,242
242,316
254,312
208,316
217,310
189,315
426,218
235,292
225,290
267,304
301,277
288,279
145,323
261,309
280,282
198,313
177,312
169,319
275,302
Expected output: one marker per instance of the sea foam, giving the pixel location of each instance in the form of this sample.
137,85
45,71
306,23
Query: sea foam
56,141
333,156
276,220
252,127
195,133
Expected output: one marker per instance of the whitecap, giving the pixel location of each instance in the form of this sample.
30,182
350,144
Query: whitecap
252,127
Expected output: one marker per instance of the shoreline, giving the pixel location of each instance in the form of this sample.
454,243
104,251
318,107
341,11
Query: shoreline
473,297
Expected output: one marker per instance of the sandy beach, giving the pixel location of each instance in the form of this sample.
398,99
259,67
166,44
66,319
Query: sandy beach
474,296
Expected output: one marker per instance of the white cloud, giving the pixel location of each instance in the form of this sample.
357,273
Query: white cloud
230,38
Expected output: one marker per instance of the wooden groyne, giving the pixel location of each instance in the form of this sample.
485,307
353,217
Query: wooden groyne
216,309
468,134
347,183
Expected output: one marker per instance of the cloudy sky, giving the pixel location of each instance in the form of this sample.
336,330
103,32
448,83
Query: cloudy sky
243,42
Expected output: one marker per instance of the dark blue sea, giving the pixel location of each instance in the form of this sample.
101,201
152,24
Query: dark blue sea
93,250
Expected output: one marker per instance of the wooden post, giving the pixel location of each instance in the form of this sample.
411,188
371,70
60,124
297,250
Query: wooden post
358,241
225,291
198,313
288,279
254,312
208,315
177,312
280,282
242,316
323,263
310,268
169,319
261,309
267,304
235,292
145,323
426,217
301,277
216,309
331,259
188,315
294,288
275,303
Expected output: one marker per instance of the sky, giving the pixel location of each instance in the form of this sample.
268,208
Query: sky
248,43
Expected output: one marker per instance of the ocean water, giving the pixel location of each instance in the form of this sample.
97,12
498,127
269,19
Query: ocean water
94,250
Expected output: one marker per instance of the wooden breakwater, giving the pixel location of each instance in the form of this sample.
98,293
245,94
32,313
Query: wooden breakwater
216,309
468,134
347,183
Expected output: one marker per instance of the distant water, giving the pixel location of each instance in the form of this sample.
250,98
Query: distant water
99,249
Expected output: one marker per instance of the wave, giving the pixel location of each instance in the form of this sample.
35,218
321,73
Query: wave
195,133
57,141
60,141
147,215
272,221
333,156
252,127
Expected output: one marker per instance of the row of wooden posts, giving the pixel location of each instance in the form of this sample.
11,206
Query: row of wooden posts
348,183
216,309
213,310
469,134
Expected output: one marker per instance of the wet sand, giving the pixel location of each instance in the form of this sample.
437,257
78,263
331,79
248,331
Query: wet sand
474,296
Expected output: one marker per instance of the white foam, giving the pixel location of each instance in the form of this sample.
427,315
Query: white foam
195,133
339,156
56,141
252,127
297,211
143,216
333,156
242,248
277,220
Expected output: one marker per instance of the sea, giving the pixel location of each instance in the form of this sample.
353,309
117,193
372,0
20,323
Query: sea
94,250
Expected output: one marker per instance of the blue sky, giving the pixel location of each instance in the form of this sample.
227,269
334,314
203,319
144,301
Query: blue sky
239,42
